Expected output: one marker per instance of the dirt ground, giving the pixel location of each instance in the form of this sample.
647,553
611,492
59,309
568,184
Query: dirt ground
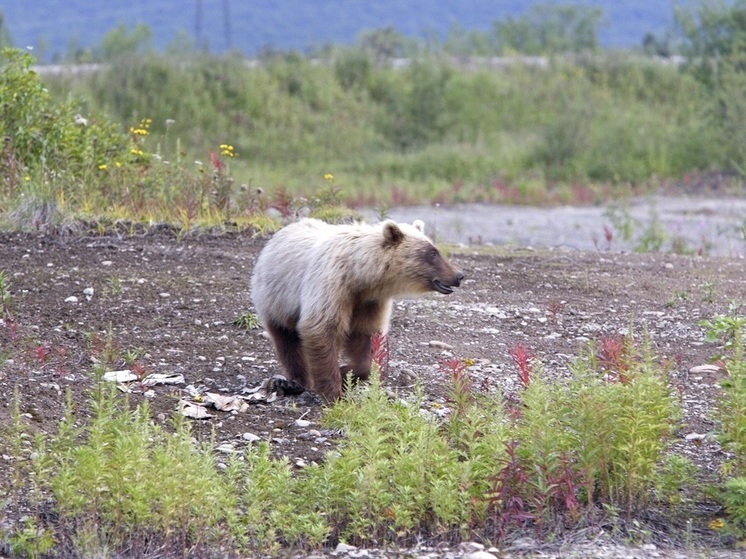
153,304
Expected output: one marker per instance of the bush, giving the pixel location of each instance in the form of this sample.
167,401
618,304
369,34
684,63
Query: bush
43,136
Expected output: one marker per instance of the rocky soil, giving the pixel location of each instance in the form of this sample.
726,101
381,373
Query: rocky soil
155,305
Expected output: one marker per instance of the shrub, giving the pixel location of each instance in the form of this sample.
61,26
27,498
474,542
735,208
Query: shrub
130,483
595,440
42,135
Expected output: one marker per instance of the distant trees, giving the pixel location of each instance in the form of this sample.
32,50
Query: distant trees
714,39
543,29
5,38
549,29
120,41
713,29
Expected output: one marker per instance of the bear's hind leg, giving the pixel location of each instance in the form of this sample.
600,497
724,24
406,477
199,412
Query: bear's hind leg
357,349
289,351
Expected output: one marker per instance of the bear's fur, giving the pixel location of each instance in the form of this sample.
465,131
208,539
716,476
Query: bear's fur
320,289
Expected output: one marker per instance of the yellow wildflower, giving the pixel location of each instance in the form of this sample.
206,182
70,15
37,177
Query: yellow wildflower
102,167
227,150
329,177
118,164
716,524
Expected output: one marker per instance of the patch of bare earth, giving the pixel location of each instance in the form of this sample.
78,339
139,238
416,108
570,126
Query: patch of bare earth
158,305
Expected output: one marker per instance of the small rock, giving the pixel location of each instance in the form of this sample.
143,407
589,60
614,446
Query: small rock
523,544
439,345
302,423
704,369
226,448
470,547
251,437
344,548
71,299
480,555
106,263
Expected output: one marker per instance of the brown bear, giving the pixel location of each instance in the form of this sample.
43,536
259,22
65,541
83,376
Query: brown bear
320,289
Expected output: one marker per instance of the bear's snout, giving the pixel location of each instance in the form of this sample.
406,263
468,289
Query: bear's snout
446,287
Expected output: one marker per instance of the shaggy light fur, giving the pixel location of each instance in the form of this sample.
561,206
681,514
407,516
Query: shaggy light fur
320,289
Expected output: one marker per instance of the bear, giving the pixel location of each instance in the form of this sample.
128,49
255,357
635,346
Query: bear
320,290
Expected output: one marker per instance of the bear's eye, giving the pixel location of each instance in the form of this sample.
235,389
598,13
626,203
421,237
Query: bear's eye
433,254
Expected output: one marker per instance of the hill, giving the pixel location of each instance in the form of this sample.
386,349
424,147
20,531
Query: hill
52,26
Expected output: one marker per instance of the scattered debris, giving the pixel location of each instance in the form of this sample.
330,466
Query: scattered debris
159,378
193,411
120,376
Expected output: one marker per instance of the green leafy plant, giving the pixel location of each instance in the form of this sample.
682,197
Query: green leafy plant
597,439
130,482
248,321
32,541
734,500
5,293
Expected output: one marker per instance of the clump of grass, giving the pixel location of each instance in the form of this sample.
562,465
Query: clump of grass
729,330
131,485
399,474
248,321
5,294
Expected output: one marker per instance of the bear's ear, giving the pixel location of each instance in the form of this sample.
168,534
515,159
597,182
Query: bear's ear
392,235
419,225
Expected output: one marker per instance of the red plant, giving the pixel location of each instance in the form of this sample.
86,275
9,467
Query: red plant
524,361
138,368
380,352
456,368
608,235
216,161
42,353
555,309
613,357
283,202
461,390
566,484
505,500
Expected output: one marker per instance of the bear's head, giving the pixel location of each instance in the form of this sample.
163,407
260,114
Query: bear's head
414,262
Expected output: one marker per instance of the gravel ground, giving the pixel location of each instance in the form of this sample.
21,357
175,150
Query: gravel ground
174,302
714,226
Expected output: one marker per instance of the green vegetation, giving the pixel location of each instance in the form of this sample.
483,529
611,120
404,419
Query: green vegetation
143,138
730,330
555,458
213,142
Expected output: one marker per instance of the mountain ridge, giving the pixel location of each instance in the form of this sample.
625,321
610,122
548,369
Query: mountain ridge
54,27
